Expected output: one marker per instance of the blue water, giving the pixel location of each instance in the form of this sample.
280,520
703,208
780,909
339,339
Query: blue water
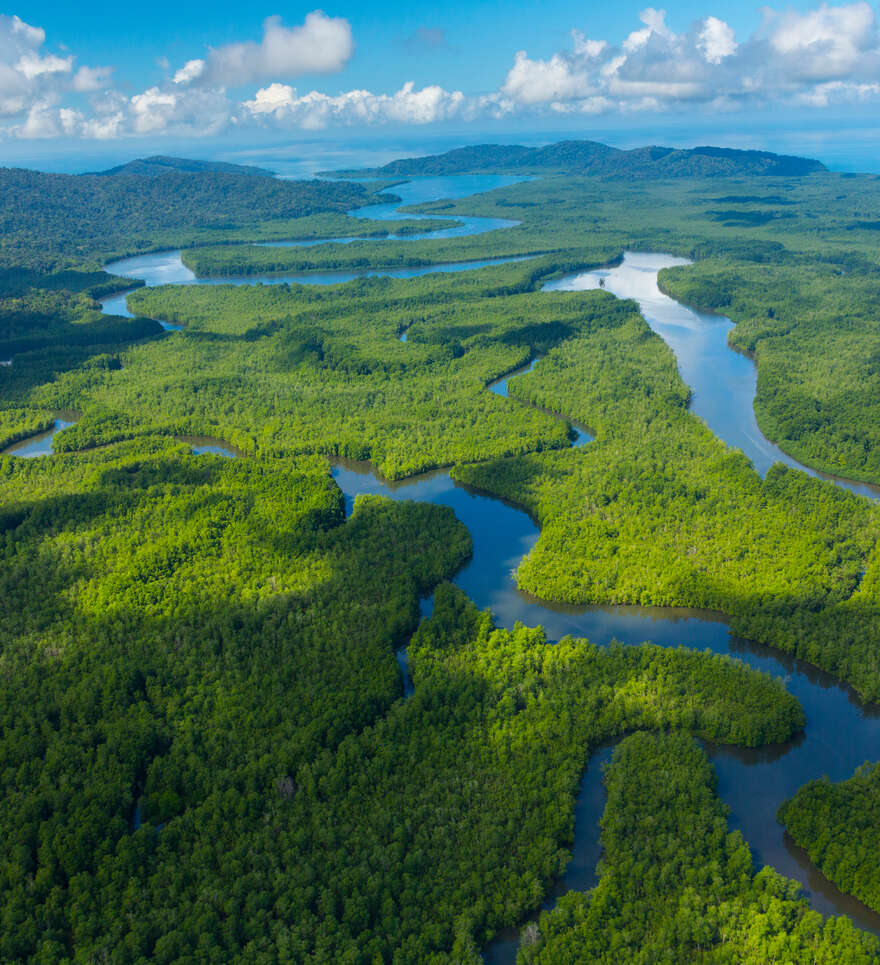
38,445
419,191
167,268
841,732
580,435
723,382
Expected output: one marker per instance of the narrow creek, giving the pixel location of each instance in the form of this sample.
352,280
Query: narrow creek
167,268
41,443
841,732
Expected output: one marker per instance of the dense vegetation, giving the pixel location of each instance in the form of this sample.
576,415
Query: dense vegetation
206,753
788,318
53,221
657,511
792,261
161,164
676,886
593,158
272,824
292,369
180,635
839,827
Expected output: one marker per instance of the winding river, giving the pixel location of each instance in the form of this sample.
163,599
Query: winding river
841,731
167,267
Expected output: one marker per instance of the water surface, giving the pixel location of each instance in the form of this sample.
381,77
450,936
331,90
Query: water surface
167,267
723,381
39,444
841,732
208,445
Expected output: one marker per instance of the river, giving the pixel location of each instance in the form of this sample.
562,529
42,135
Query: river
841,732
167,267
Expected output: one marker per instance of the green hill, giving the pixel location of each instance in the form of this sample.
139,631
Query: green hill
152,167
593,158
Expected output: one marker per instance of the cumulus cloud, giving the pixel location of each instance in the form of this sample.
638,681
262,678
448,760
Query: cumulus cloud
716,40
282,103
320,45
33,78
821,58
190,71
829,43
88,79
827,55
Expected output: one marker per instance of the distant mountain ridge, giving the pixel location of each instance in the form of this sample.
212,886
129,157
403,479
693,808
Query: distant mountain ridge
159,164
593,158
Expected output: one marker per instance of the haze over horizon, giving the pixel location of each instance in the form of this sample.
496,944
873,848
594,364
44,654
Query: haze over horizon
221,82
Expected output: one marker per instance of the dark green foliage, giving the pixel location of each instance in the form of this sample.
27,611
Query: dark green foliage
58,319
58,220
423,832
593,158
676,886
158,164
839,827
206,647
181,635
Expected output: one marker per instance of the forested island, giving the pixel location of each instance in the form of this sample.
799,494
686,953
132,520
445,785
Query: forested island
839,826
209,751
593,158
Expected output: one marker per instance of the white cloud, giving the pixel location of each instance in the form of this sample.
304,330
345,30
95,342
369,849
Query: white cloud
180,112
190,71
820,58
320,45
655,24
539,81
88,79
281,103
33,79
584,47
31,65
837,92
716,40
827,43
828,55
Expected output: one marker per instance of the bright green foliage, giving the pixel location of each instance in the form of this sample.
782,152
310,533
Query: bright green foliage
207,646
292,369
17,424
50,325
792,261
184,632
813,332
441,821
839,826
675,886
657,511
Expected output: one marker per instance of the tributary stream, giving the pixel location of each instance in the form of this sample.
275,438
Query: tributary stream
841,732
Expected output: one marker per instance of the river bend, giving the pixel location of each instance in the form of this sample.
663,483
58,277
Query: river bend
841,732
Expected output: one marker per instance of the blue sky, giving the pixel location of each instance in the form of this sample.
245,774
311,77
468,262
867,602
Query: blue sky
480,37
227,73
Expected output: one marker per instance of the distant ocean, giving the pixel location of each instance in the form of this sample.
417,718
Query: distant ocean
848,146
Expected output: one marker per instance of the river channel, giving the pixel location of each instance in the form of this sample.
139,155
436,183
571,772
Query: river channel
841,732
